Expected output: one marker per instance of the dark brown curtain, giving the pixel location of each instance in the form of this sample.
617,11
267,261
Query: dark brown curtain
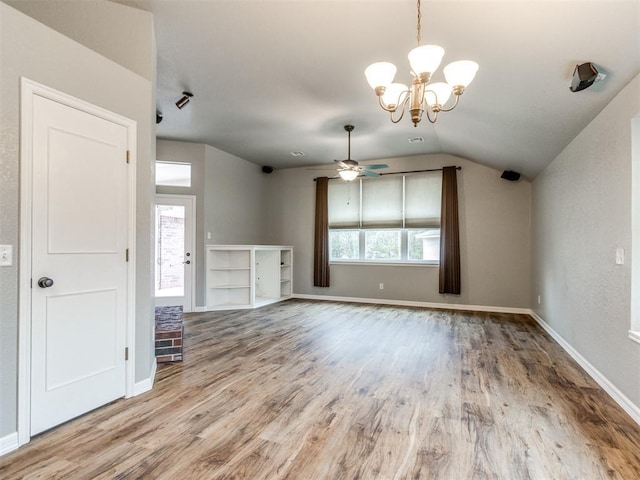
449,234
321,239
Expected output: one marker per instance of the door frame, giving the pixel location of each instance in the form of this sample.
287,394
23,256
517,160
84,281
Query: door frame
192,275
28,90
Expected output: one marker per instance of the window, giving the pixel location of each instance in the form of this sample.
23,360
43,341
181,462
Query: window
382,245
344,244
391,219
173,174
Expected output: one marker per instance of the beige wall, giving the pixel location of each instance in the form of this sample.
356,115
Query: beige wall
32,50
581,214
494,235
122,33
230,198
235,199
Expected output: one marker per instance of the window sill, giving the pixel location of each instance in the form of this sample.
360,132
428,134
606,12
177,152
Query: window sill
634,335
390,264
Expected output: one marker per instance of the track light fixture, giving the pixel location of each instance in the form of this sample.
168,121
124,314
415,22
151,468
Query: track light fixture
186,96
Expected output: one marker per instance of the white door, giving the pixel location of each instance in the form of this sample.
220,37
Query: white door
175,259
79,269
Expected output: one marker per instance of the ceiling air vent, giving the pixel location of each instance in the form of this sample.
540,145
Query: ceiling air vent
416,139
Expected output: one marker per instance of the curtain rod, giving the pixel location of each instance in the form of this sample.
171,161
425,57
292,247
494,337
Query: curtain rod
397,173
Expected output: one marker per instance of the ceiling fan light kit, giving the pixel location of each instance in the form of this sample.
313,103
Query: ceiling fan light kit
421,96
350,169
348,175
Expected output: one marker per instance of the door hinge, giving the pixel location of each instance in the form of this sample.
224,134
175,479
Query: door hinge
126,353
128,156
127,255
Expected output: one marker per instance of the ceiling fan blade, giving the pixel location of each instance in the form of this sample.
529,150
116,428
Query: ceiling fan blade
370,174
321,168
341,163
376,166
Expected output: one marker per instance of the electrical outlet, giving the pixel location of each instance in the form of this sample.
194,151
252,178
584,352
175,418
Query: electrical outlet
381,286
539,299
208,235
6,255
620,256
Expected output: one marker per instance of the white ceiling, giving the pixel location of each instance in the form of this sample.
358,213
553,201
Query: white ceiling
271,77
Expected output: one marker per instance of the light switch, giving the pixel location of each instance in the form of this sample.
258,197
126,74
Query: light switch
620,256
6,255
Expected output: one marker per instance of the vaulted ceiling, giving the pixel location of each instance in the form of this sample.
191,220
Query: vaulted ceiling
274,77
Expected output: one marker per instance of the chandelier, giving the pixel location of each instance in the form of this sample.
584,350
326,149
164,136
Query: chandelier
432,97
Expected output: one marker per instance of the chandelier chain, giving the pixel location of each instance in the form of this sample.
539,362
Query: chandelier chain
418,25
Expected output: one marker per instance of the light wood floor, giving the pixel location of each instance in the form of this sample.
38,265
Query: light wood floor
316,390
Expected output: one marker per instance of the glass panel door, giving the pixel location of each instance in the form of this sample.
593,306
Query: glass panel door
174,253
170,251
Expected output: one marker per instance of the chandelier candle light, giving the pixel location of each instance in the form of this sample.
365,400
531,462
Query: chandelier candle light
424,60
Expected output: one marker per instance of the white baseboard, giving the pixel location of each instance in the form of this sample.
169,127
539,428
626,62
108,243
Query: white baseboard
8,443
146,384
410,303
627,405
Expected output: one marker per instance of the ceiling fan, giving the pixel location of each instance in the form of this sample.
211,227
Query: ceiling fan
349,169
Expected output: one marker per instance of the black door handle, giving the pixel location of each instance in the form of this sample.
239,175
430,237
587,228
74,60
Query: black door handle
45,282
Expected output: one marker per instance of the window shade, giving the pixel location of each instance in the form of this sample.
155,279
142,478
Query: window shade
423,196
344,204
382,202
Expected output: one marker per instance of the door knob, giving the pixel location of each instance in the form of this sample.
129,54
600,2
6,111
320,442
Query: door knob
45,282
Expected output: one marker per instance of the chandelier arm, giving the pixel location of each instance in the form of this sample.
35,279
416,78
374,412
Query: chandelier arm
384,107
397,119
406,93
403,109
453,106
435,115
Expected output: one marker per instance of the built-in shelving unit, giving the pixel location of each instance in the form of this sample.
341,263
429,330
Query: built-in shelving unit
247,276
285,272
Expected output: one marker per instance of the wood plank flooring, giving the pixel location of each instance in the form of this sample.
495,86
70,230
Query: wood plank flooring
318,390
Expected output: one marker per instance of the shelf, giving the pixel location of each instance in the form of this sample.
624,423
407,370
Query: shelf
247,276
226,269
229,296
230,286
229,258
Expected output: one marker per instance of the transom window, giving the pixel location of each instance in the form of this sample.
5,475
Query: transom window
173,174
390,219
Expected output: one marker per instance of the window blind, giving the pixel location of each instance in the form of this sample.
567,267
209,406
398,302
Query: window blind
394,201
423,196
344,204
382,202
